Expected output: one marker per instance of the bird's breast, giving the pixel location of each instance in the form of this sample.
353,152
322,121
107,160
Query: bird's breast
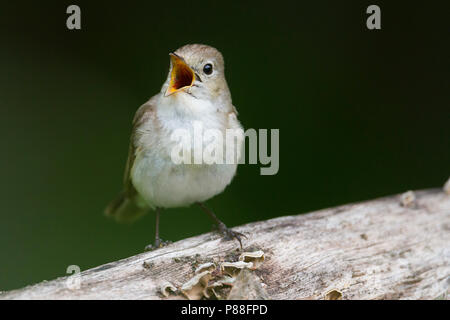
159,175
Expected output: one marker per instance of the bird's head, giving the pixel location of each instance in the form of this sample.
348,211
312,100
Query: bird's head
198,70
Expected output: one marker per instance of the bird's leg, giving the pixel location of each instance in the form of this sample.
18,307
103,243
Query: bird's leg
228,233
158,241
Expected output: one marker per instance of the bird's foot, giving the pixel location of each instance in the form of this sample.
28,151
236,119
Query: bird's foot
159,243
230,234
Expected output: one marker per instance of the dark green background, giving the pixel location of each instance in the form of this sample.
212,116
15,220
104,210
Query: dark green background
361,114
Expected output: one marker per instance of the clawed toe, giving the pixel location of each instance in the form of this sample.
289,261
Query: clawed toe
159,243
150,247
230,234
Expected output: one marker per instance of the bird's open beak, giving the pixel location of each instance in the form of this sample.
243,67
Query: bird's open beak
182,76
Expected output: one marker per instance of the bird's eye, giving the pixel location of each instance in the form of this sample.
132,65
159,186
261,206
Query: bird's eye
208,69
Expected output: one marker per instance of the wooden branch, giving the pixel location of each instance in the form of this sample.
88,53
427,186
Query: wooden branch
379,249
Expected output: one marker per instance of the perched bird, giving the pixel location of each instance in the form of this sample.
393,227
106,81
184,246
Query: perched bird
195,92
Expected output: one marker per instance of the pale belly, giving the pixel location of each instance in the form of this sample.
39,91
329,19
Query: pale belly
162,183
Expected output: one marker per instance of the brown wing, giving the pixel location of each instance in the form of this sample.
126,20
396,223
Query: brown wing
143,114
124,207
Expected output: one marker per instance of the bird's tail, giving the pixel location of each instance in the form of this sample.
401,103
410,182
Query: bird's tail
126,209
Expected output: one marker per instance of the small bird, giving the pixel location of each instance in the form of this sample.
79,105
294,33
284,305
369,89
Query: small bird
194,92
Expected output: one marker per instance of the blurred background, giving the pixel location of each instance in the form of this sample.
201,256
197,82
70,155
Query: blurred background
362,114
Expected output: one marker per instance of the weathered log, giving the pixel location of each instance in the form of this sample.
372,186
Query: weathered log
396,247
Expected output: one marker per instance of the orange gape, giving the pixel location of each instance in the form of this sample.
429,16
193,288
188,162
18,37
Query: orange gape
182,75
